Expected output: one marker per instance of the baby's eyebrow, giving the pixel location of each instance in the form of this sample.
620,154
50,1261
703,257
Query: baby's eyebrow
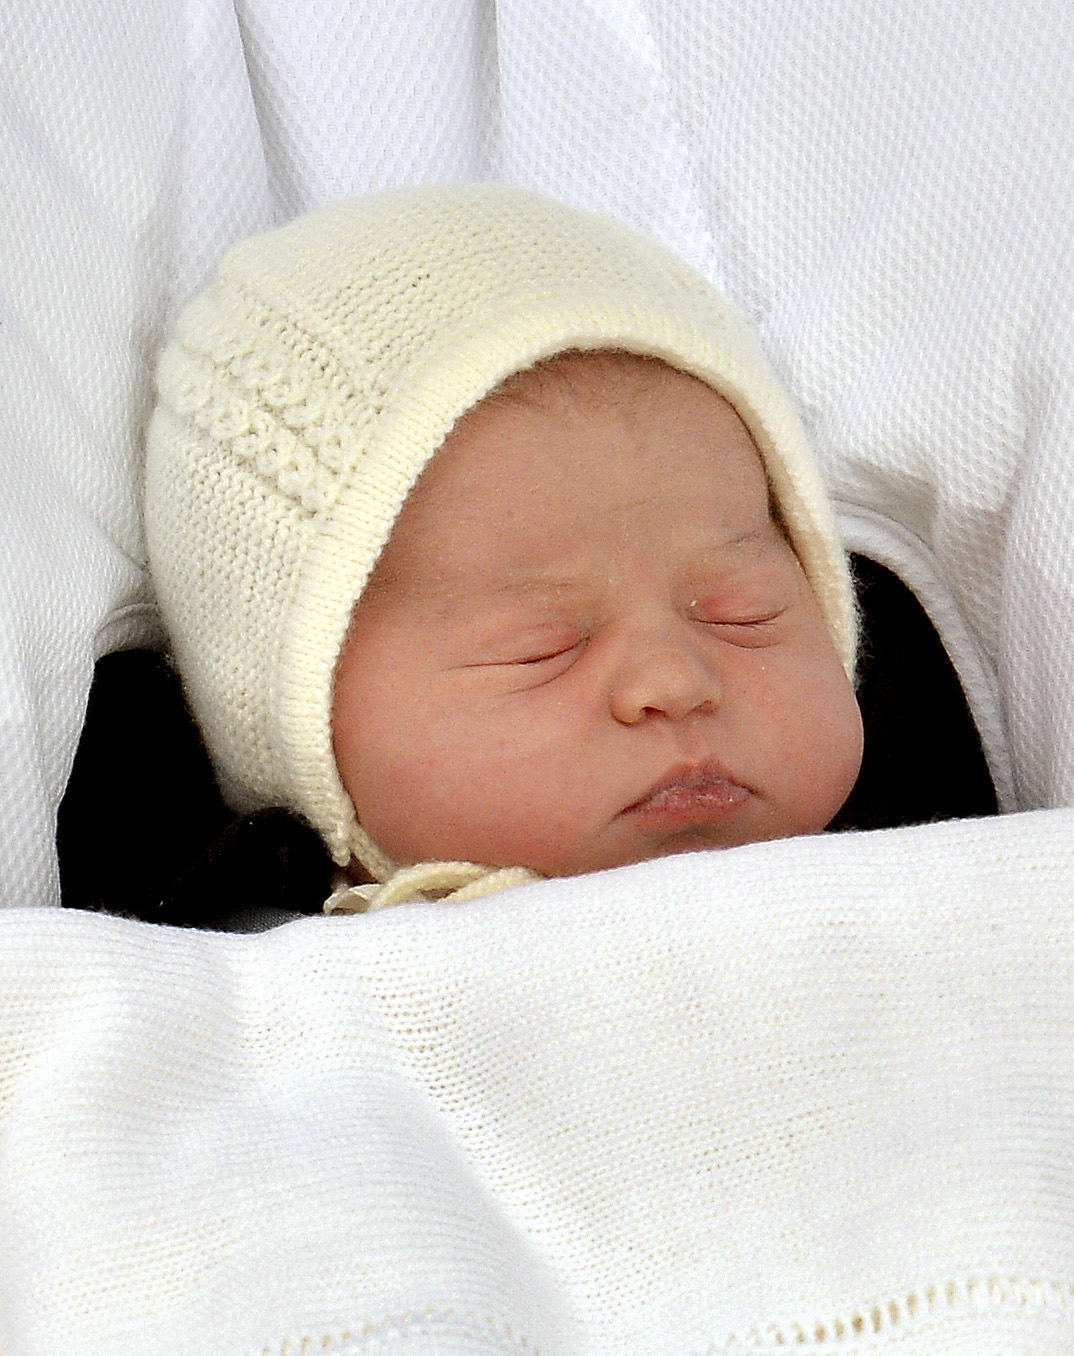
537,587
449,597
450,592
753,546
554,588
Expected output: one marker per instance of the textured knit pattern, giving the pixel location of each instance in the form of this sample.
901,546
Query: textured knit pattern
312,383
691,1108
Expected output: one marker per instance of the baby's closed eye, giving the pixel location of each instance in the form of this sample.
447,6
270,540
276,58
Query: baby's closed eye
544,655
743,620
552,648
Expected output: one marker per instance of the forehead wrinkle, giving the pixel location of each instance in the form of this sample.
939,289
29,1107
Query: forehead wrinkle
754,545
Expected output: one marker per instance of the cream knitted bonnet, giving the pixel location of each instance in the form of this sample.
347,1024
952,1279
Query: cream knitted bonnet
308,387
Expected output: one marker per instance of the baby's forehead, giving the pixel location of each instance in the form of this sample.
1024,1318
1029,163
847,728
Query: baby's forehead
591,377
584,447
597,382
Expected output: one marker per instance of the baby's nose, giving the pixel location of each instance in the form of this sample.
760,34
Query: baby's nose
665,676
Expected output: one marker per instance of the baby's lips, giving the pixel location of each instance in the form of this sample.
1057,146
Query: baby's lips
691,792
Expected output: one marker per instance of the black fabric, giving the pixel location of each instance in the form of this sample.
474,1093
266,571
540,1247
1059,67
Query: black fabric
143,831
923,759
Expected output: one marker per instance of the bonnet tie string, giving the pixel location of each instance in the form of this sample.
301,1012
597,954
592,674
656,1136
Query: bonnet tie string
454,882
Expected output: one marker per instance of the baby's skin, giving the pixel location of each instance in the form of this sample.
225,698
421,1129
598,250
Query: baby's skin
589,641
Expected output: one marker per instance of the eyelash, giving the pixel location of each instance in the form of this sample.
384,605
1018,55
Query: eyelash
544,658
746,631
753,630
765,620
751,625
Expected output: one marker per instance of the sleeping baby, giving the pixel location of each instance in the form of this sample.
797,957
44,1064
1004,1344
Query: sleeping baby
488,543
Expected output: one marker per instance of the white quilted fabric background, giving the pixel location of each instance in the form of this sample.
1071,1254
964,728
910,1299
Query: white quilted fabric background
138,140
882,189
117,186
352,98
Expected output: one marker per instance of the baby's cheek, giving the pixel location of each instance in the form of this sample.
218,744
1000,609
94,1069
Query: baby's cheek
808,731
853,746
511,803
432,796
546,840
835,760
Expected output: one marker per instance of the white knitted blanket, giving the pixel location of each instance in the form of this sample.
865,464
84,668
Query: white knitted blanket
816,1095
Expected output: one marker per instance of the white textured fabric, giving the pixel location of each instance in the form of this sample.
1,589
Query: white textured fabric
692,1107
130,158
138,139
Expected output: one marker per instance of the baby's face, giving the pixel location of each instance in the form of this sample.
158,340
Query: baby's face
588,642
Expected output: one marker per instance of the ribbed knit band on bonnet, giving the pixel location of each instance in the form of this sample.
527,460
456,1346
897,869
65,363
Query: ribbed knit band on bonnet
309,386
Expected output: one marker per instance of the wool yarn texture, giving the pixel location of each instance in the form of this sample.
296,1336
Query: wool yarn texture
308,387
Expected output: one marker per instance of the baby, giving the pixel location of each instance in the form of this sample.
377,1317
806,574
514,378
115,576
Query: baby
488,542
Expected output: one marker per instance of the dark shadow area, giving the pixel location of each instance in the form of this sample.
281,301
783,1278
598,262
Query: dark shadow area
143,831
923,759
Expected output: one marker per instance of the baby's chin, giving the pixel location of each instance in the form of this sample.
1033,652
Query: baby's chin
718,837
584,858
672,828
